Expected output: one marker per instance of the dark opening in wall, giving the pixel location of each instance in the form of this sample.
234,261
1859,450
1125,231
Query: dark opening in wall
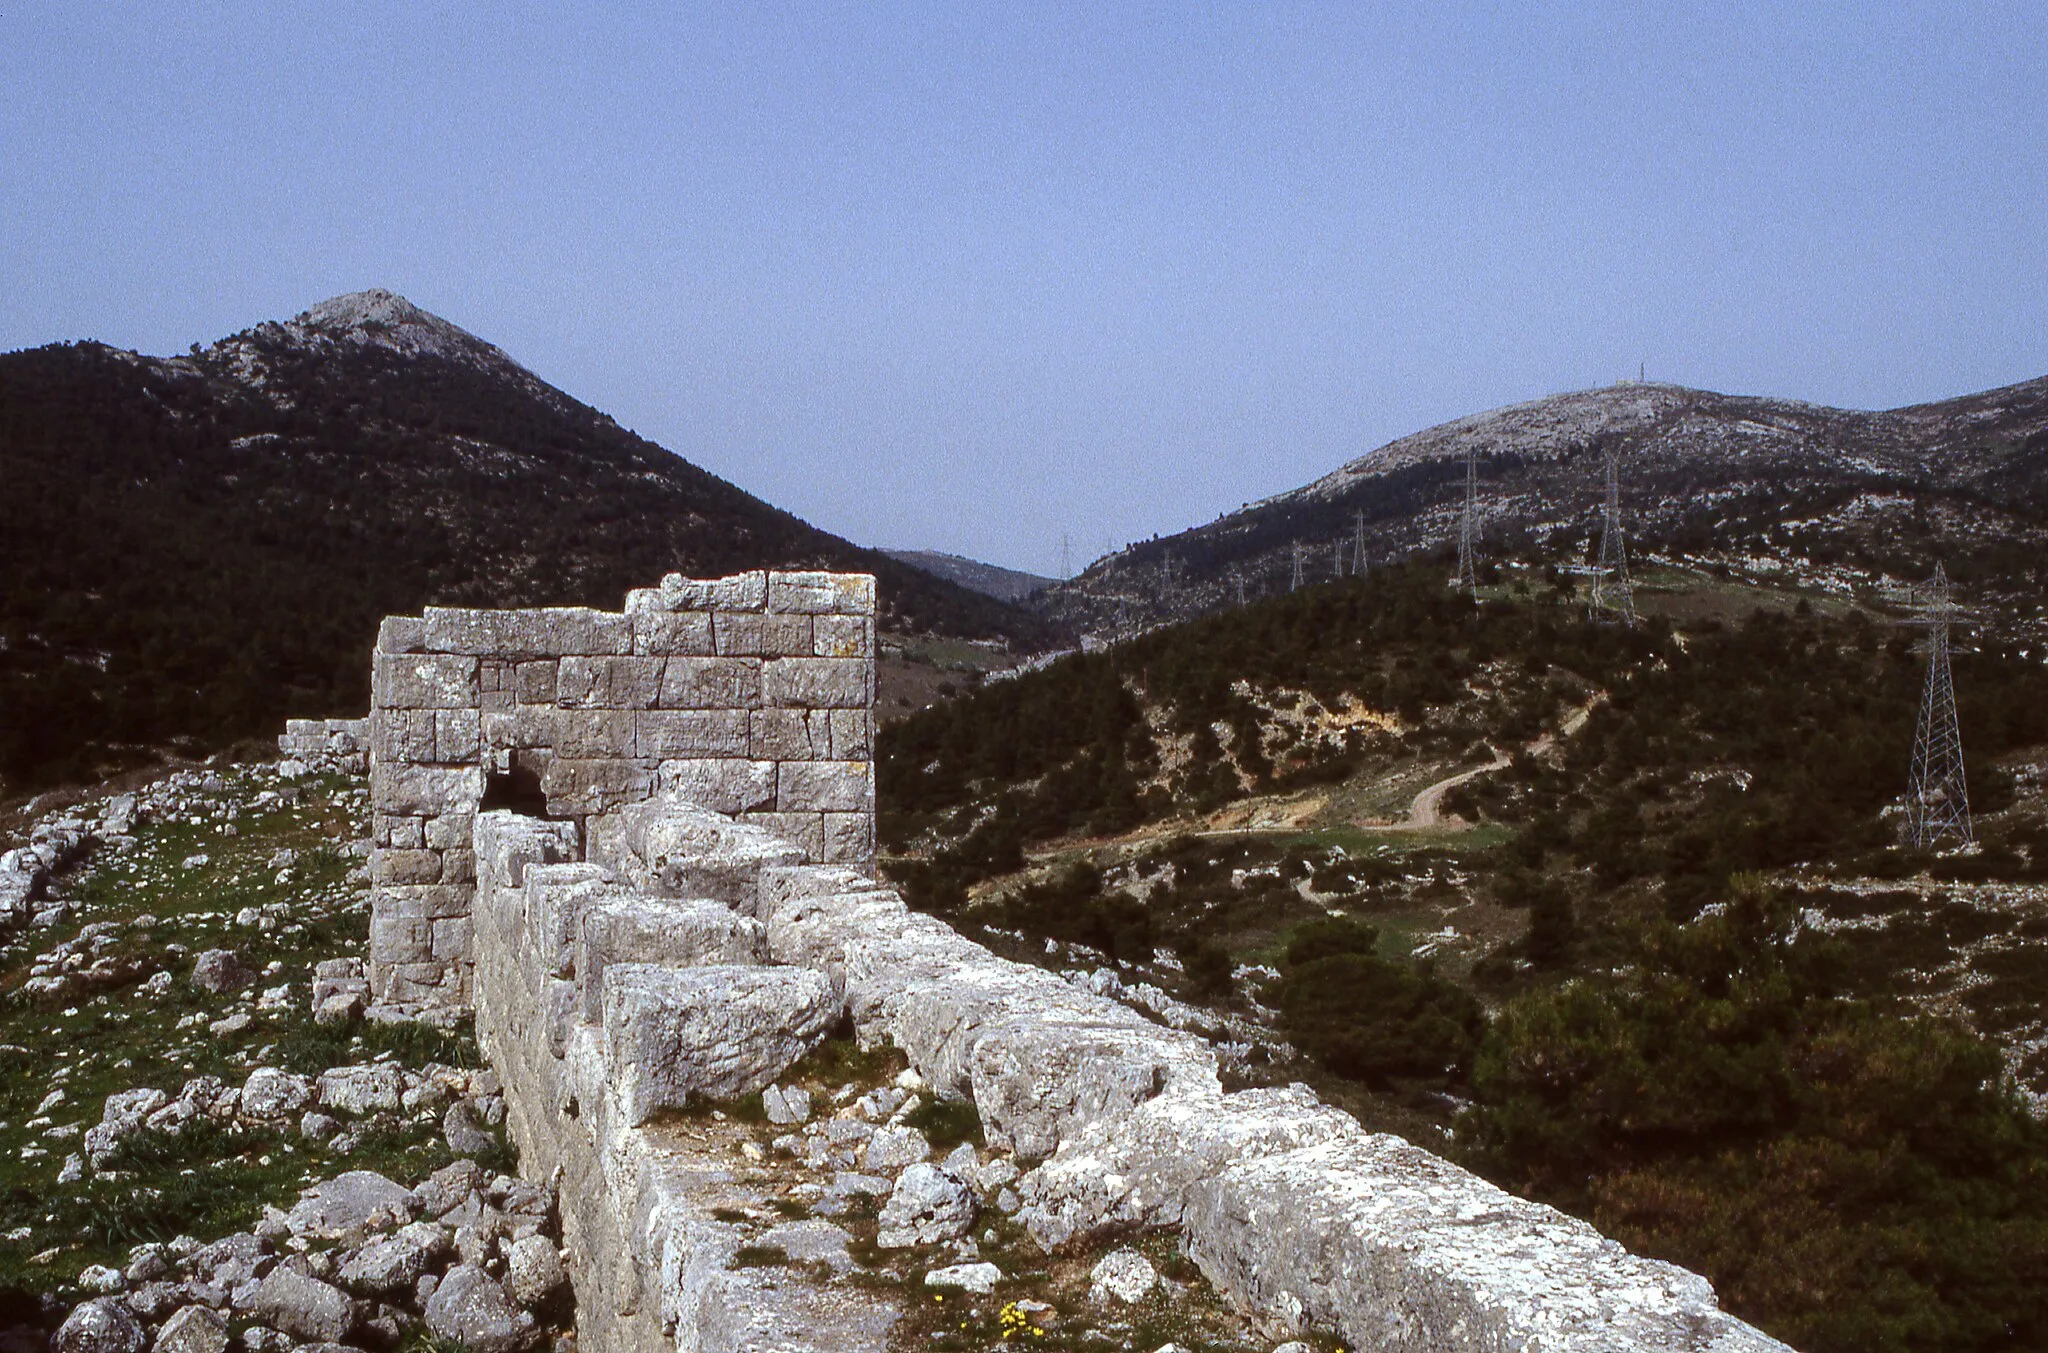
517,790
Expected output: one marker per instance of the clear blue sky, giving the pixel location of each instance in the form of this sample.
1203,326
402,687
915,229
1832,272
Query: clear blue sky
970,277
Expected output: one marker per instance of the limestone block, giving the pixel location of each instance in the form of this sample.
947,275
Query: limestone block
534,682
587,733
581,787
523,726
849,838
737,592
556,897
1141,1168
928,1205
674,932
822,593
456,734
542,632
458,866
674,847
662,733
818,683
507,843
402,634
853,734
790,734
403,734
722,784
400,831
1043,1077
711,683
1394,1248
420,901
396,941
496,702
405,866
749,634
804,831
608,682
450,831
843,636
825,786
452,939
425,791
812,931
667,633
423,681
783,886
674,1034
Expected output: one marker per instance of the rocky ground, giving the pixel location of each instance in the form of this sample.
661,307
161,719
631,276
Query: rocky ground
203,1142
208,1142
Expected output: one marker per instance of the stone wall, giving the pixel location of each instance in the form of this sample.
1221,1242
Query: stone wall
752,695
611,988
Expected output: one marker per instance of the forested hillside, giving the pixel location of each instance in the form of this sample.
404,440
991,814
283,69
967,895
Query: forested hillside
1663,964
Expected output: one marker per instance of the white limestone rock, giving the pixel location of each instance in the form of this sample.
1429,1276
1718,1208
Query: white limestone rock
927,1206
101,1326
348,1206
192,1329
671,1035
301,1306
377,1087
1124,1276
980,1279
1393,1247
470,1308
1041,1078
786,1104
533,1271
270,1093
671,932
892,1148
395,1263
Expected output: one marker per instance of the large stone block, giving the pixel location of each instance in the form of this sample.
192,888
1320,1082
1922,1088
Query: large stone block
672,932
578,788
403,735
1391,1247
452,939
608,683
423,681
400,831
843,636
1043,1077
420,901
711,683
585,734
424,791
535,682
738,592
457,735
818,683
721,784
508,843
781,886
397,941
853,734
450,831
670,633
405,866
557,895
542,632
825,787
1140,1168
812,931
790,734
849,838
749,634
402,634
822,593
672,1035
669,733
805,832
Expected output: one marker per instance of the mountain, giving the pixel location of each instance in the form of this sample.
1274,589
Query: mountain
991,580
1761,486
198,546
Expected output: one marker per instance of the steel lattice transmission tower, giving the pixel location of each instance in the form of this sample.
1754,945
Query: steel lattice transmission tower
1613,594
1468,530
1938,798
1358,543
1294,585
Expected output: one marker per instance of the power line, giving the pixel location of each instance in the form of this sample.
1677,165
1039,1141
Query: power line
1468,529
1614,596
1938,794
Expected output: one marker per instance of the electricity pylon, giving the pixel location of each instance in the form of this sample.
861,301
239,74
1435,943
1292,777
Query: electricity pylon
1294,585
1237,577
1938,797
1613,595
1468,530
1358,544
